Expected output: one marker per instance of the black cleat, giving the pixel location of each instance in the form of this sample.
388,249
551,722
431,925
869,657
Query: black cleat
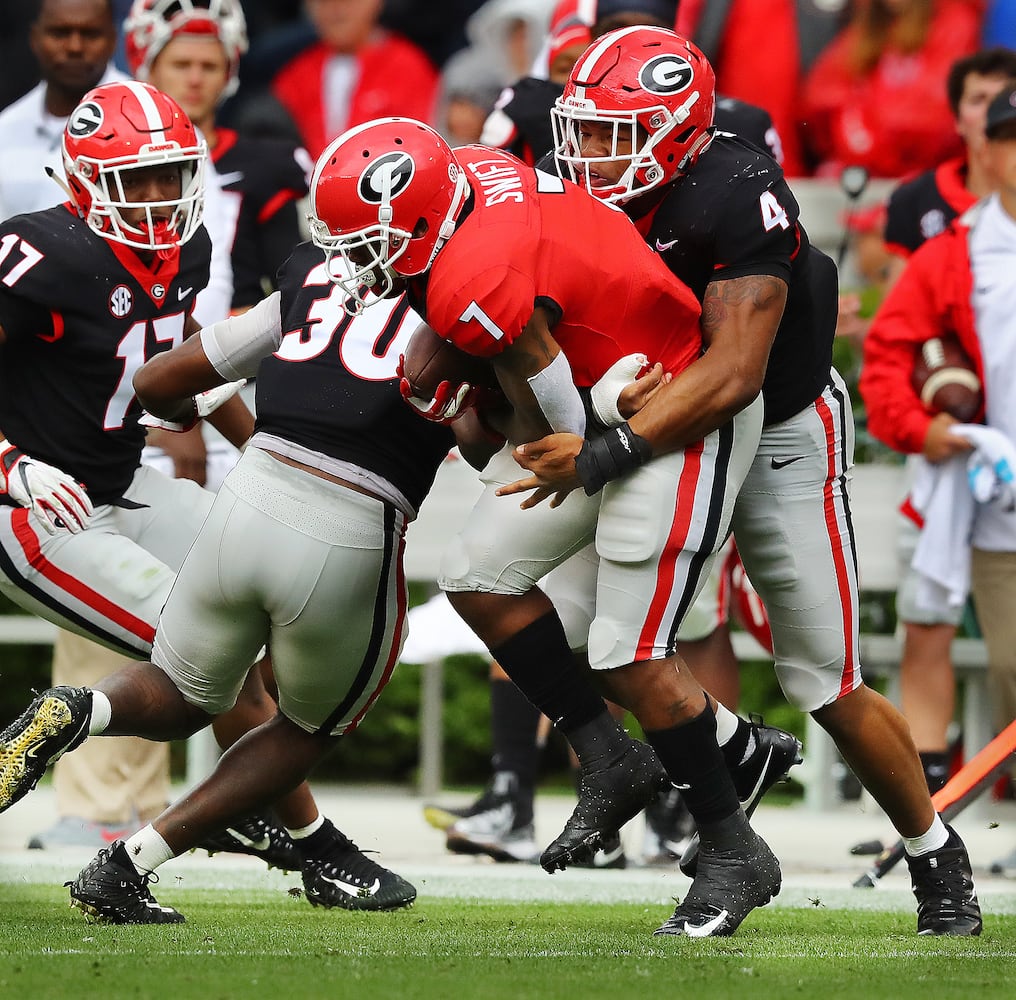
609,796
775,753
944,886
669,829
443,817
55,722
610,854
110,889
737,873
337,873
259,836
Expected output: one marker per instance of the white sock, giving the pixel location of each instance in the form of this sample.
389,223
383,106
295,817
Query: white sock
305,831
932,840
102,712
726,724
147,849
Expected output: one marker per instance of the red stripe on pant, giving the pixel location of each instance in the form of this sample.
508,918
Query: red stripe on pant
74,587
676,541
843,580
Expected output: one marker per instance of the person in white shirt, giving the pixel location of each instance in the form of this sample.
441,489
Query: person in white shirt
73,42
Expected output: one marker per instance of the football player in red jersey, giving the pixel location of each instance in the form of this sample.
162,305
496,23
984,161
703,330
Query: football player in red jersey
509,263
726,222
89,290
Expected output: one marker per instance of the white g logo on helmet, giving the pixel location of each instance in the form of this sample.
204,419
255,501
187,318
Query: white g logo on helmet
666,74
387,177
85,120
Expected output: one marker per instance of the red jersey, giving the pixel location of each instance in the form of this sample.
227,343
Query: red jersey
532,239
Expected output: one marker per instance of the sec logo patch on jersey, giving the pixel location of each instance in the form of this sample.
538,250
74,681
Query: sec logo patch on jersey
121,301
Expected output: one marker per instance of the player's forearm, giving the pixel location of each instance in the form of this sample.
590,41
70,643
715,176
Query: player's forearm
740,317
696,402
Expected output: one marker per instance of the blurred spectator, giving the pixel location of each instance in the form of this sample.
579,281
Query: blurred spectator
511,32
73,42
354,72
796,32
469,88
876,98
520,122
924,206
865,230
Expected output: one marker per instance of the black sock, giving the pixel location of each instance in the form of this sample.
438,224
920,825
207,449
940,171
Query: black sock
936,768
692,758
734,749
317,841
513,723
539,660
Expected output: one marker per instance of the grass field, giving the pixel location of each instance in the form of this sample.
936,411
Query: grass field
259,941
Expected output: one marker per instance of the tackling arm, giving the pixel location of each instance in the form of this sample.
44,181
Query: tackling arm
740,317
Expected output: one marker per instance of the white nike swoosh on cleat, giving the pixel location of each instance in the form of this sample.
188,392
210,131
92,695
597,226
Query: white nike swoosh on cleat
255,845
706,929
603,858
354,890
761,780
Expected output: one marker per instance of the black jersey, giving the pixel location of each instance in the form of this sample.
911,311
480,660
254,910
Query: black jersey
266,179
80,315
734,215
749,122
521,123
331,386
923,207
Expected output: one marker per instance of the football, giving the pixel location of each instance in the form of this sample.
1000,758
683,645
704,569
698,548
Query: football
429,361
946,379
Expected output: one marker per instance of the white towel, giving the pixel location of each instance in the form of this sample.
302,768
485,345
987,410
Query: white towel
946,495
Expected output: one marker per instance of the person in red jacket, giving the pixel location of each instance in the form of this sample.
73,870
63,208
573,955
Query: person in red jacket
355,72
876,96
918,210
961,283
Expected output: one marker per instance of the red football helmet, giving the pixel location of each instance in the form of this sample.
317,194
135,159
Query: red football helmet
385,196
150,24
119,127
655,90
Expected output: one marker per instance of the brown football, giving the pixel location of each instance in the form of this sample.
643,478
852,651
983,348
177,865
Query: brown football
946,379
429,361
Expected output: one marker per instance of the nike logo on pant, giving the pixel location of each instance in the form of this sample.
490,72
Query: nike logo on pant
777,464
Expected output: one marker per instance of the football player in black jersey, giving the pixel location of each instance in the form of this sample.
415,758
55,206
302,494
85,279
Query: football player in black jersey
192,52
631,128
89,290
520,121
302,552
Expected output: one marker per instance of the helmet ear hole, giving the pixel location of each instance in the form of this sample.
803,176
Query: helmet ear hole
421,228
